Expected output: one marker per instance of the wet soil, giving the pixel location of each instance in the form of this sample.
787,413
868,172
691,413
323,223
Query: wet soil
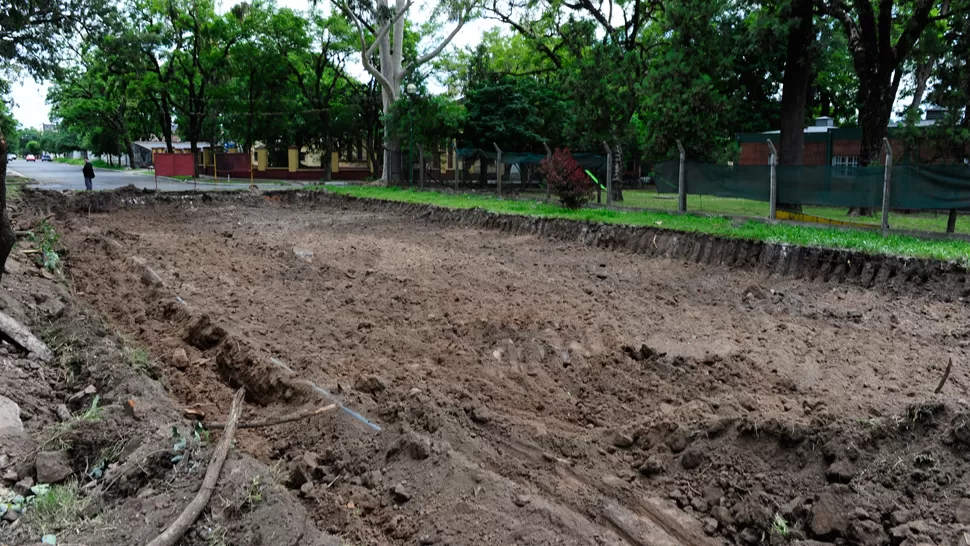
534,391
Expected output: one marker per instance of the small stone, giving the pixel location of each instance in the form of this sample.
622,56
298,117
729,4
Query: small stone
414,392
866,533
830,516
10,475
699,504
63,413
710,526
722,515
306,489
24,485
521,500
840,472
750,536
10,422
652,466
900,517
481,415
369,383
180,359
10,516
53,466
400,493
90,390
677,441
692,458
621,440
963,511
426,540
860,513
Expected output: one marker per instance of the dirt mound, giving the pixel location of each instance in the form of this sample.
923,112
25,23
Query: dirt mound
501,388
103,442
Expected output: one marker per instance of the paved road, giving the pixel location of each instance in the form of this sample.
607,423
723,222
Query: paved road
59,176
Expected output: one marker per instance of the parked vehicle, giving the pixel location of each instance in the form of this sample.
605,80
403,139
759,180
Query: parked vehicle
11,157
46,157
30,157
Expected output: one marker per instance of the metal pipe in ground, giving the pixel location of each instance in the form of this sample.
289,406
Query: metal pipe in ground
682,182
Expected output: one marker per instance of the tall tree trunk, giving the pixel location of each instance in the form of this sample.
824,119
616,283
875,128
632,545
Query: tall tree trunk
7,236
130,151
922,75
617,183
795,86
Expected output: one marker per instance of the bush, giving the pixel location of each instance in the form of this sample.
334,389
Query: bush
567,179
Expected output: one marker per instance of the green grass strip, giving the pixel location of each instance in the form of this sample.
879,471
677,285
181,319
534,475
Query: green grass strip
97,163
870,242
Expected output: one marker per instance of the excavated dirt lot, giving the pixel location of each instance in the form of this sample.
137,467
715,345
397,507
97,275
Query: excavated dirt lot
531,391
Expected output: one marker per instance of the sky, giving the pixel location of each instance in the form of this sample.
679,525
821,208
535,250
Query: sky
29,96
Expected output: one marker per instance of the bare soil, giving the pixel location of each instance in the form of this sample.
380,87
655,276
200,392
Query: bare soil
531,391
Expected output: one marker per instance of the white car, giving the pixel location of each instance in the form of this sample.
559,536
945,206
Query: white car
11,157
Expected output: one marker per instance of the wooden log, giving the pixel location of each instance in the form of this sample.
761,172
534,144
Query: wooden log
21,336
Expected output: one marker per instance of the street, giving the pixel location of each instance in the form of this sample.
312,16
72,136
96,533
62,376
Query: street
60,176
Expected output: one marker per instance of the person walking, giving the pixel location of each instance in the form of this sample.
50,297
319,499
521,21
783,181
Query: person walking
88,172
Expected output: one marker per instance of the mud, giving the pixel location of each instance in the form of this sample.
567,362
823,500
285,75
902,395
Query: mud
549,382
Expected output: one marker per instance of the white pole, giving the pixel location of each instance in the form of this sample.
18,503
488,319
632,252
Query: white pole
885,187
773,194
682,183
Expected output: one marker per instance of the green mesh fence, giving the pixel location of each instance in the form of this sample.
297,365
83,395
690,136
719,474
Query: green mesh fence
592,162
912,187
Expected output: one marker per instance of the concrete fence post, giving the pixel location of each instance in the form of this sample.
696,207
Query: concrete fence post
498,169
682,182
609,174
885,186
421,161
548,157
454,145
773,192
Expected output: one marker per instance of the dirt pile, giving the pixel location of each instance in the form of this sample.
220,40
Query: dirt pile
93,449
504,389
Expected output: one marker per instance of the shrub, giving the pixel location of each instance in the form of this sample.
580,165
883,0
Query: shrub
566,179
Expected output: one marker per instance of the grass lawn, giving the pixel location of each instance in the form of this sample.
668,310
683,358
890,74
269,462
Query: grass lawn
861,240
922,221
97,163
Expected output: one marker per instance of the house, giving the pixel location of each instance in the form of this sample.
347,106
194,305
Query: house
827,144
144,150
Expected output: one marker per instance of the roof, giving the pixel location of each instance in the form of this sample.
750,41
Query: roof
152,144
810,129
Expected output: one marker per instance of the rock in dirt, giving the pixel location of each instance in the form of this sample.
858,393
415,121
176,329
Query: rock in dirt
521,500
652,466
10,423
866,533
24,485
400,493
53,466
90,390
180,359
710,526
963,511
677,440
692,458
621,440
750,535
369,383
900,517
830,514
413,445
841,472
481,415
63,413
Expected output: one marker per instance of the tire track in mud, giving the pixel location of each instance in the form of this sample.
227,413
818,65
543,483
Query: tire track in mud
639,522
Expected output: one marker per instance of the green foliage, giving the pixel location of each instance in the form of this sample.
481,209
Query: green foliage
429,120
869,241
56,507
33,147
508,111
47,238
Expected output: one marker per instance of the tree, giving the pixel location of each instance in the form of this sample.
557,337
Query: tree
33,147
380,30
32,37
881,35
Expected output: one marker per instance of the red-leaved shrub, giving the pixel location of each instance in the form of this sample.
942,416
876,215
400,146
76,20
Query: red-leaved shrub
566,179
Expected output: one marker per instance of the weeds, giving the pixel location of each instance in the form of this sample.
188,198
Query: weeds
779,527
55,507
47,238
55,436
254,495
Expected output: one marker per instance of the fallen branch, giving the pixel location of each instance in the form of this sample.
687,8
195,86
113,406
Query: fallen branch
171,536
279,421
946,374
21,336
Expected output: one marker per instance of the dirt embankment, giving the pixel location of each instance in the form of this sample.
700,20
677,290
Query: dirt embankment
97,426
548,390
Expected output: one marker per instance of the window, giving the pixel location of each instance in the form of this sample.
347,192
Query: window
845,161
